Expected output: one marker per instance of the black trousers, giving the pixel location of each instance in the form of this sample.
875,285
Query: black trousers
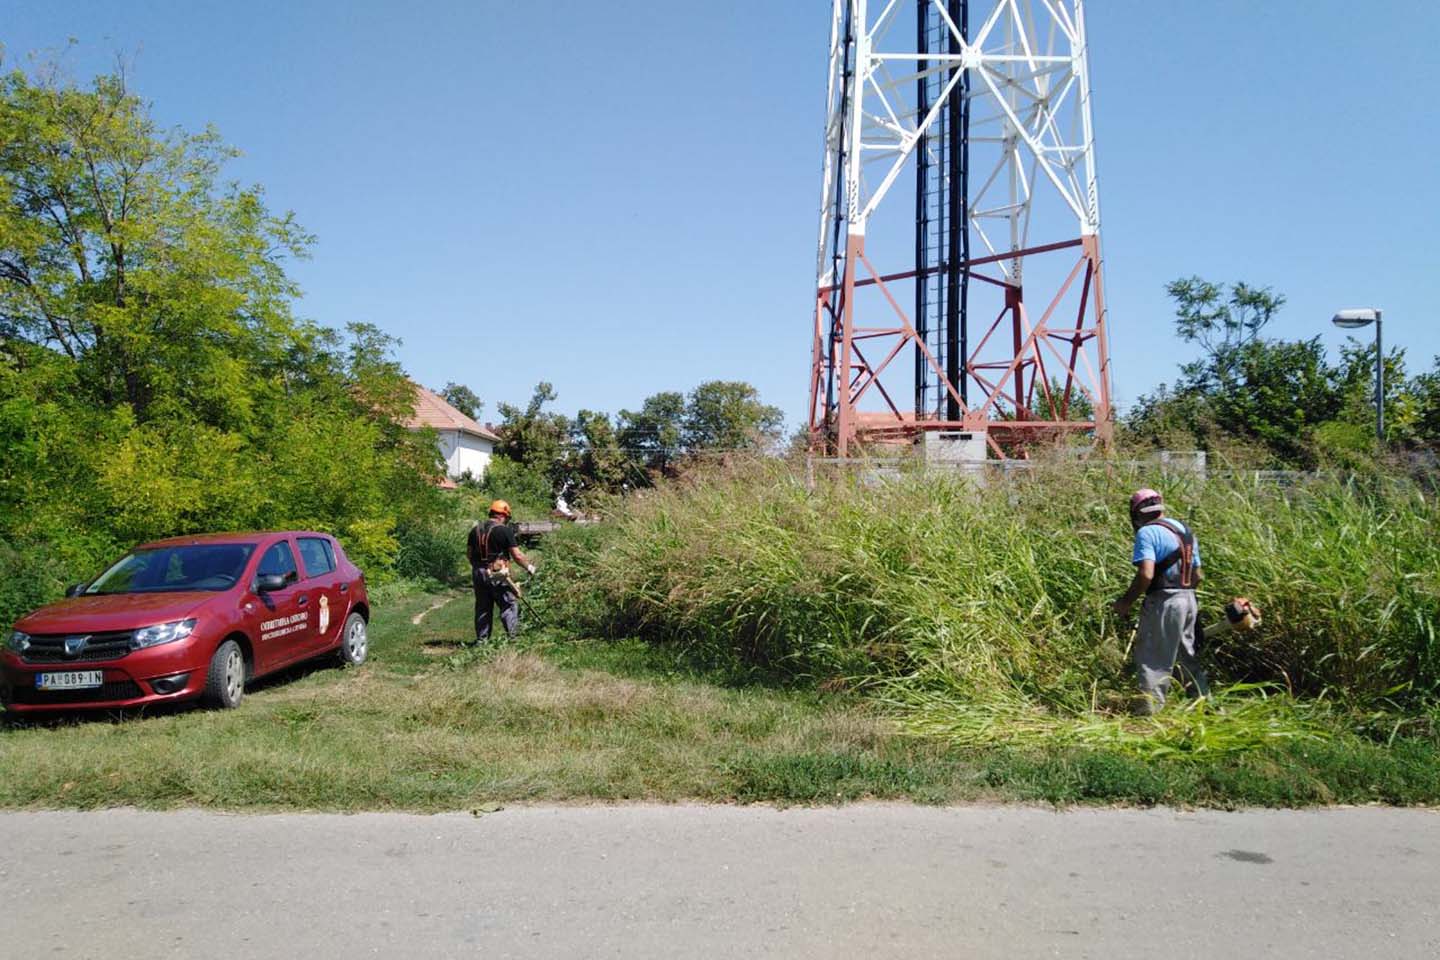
489,596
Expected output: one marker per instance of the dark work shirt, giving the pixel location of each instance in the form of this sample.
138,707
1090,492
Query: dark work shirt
499,543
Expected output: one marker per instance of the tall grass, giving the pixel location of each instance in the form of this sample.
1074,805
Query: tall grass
998,594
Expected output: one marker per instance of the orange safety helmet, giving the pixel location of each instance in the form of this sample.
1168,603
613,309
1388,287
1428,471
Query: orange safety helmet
500,507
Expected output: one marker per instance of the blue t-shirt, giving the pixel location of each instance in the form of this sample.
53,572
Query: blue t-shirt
1154,542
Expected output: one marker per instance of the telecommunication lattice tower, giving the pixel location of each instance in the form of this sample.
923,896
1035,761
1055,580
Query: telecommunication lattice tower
986,105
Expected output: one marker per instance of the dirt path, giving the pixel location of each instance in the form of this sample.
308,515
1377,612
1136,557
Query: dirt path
872,881
431,609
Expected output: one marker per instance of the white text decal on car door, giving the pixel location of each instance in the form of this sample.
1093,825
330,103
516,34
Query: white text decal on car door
284,626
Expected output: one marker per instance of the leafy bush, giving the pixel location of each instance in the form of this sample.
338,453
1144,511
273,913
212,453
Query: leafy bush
29,578
527,489
431,551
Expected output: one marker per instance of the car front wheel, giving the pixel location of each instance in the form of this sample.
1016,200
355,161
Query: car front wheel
225,683
355,644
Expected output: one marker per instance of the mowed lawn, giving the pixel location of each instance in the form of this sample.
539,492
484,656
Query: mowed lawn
426,725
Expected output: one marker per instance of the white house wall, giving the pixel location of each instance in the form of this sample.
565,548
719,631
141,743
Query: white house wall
463,452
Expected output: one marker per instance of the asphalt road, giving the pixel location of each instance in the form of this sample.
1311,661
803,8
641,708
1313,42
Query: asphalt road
861,881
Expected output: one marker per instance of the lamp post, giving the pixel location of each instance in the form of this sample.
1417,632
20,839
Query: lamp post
1354,320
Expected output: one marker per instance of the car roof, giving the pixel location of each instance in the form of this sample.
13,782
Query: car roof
253,536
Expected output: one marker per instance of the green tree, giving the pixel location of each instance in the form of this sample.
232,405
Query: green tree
120,249
654,433
1050,402
599,464
1276,392
1244,389
464,399
1404,397
1221,323
728,415
1283,397
528,490
153,378
1426,389
1271,394
536,437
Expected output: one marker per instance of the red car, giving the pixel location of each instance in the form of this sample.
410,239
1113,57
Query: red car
185,618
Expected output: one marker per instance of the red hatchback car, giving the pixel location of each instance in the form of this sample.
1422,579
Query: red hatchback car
188,617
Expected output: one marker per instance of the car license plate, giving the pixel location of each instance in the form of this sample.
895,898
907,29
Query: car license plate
70,680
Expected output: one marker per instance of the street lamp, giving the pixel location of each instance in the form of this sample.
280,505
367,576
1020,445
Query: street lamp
1354,320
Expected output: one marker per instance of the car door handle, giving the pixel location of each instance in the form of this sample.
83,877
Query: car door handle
344,588
302,600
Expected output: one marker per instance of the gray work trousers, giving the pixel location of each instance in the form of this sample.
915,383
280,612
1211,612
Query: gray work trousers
1167,640
488,596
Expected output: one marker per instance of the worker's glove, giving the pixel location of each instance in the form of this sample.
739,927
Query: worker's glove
531,568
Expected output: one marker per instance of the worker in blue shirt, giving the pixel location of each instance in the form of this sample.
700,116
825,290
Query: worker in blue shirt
1167,569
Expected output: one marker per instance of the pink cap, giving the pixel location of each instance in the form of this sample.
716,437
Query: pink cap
1145,500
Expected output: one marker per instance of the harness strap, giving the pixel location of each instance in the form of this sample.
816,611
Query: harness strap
493,569
481,540
1185,556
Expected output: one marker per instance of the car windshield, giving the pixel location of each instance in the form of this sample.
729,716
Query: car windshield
200,566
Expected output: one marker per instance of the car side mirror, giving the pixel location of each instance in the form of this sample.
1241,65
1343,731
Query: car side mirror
267,582
75,589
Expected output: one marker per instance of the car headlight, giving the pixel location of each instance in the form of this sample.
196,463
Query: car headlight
19,642
161,633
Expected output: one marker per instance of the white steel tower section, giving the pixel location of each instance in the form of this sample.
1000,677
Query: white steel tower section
1021,68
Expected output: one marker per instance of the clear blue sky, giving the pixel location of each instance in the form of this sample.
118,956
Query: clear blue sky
621,197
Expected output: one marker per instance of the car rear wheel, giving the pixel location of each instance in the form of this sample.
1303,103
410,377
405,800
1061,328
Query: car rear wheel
225,683
355,642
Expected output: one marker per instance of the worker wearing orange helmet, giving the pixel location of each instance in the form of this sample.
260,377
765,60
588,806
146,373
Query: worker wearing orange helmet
1167,569
491,547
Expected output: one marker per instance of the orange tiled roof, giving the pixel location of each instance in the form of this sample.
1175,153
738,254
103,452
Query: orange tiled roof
431,410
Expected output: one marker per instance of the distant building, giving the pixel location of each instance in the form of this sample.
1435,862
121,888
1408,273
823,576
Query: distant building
466,445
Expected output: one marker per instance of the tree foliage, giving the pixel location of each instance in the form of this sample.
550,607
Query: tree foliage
153,377
728,415
535,437
122,252
594,453
1221,323
464,399
598,462
1285,402
654,433
155,380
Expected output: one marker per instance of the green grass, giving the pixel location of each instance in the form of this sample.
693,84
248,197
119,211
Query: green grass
428,726
980,613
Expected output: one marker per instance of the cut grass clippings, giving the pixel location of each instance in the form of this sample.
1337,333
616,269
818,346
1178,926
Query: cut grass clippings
1238,719
551,719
